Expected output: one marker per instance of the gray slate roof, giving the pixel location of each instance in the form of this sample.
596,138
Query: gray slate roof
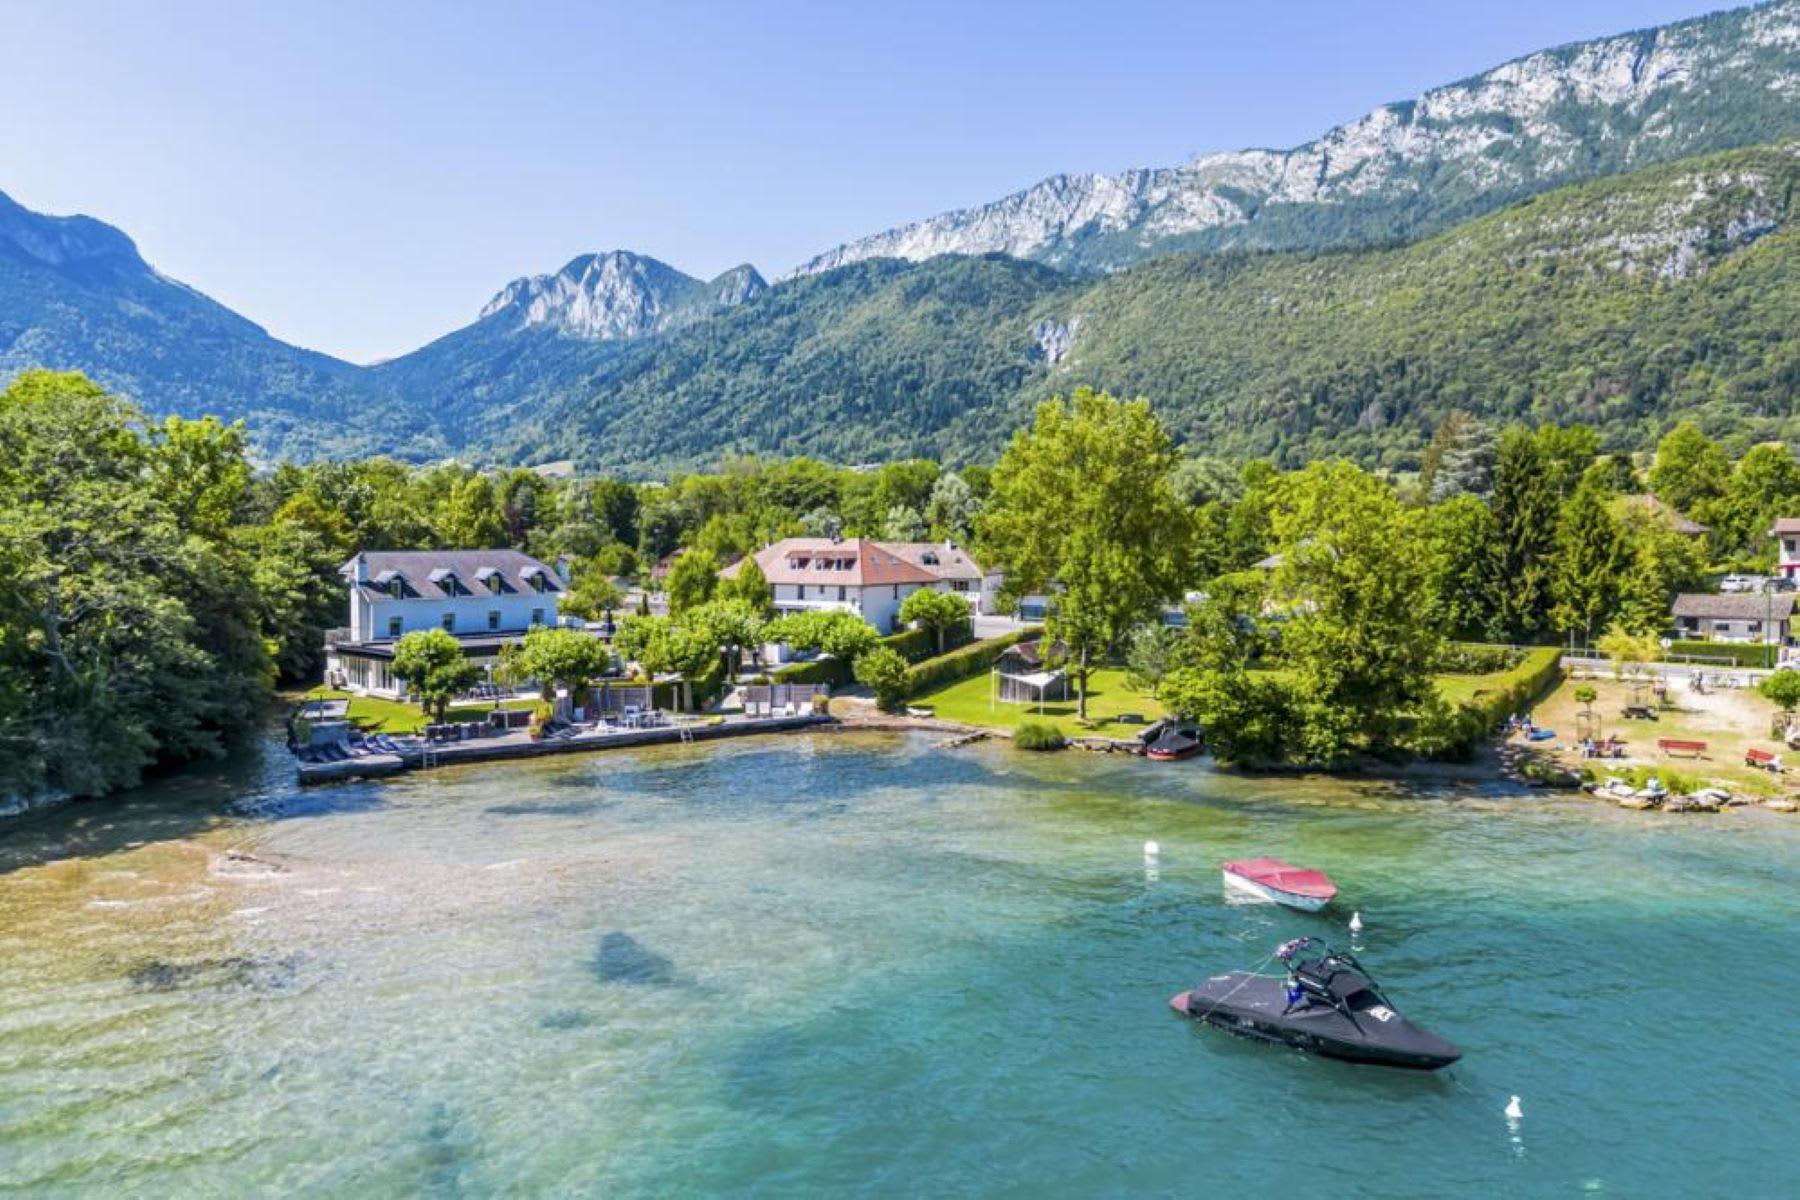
1777,606
418,567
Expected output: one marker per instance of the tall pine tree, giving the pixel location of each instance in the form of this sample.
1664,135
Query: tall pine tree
1523,550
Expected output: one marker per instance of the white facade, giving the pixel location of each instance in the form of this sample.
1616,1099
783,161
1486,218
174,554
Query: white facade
878,604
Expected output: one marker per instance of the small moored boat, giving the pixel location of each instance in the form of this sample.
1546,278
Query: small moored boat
1173,742
1326,1005
1277,882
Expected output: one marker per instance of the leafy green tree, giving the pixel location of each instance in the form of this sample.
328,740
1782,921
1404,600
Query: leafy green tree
1459,460
560,657
903,524
843,635
749,587
1357,644
200,469
692,581
939,612
432,663
729,626
1764,485
1628,651
593,596
1783,687
883,670
1247,717
468,517
1661,561
1522,552
1148,654
951,510
1455,538
1689,468
1084,501
1615,475
1591,554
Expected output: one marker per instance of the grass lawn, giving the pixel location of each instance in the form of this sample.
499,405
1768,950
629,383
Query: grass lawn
1108,697
395,716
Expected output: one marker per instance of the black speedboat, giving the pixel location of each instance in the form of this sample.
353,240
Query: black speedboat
1327,1005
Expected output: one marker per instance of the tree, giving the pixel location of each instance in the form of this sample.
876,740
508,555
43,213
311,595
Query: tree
883,670
1660,561
1148,653
593,596
1590,555
1455,538
469,516
1459,461
1357,645
749,587
1627,651
431,662
1084,501
1585,696
1522,552
903,524
1689,468
1764,485
939,612
561,657
843,635
1783,687
692,581
728,626
1247,717
951,510
200,470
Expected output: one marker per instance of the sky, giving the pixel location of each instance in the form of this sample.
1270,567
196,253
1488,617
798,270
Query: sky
360,178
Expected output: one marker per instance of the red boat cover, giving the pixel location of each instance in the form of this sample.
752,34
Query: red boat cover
1272,872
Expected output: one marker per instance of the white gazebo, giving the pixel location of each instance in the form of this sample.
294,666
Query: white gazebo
1021,675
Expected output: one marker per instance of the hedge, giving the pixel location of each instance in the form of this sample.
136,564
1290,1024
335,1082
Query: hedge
1741,654
961,664
1518,688
917,645
833,672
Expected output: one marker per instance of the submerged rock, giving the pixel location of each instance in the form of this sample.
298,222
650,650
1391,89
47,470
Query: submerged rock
624,959
259,973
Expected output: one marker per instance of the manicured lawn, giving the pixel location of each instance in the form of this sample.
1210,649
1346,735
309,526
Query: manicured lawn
395,716
1108,697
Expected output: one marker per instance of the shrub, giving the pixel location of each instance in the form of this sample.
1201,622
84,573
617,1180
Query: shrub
1783,687
886,672
1739,654
1540,671
829,671
1476,658
1038,735
960,664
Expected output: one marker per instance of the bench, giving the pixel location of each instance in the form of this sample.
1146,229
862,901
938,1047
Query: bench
1767,760
1679,746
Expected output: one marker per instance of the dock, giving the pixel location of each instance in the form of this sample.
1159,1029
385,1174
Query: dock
417,755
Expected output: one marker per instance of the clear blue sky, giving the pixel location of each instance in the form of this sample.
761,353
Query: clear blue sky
361,177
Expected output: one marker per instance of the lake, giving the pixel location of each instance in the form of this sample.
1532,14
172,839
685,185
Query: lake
839,963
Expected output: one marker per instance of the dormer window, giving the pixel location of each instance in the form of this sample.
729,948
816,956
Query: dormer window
397,588
929,558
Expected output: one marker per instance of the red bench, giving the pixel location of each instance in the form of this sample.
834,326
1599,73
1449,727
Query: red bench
1768,760
1678,746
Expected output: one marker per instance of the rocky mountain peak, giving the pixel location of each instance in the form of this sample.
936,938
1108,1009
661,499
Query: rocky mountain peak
617,294
61,241
1409,168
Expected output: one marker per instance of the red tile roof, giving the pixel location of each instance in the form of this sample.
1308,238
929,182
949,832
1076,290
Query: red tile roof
855,562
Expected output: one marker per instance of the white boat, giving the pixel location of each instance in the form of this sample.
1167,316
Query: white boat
1271,881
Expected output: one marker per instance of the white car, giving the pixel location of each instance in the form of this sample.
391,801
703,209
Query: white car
1732,584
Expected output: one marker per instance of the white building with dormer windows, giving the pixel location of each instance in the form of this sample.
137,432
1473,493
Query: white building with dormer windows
486,598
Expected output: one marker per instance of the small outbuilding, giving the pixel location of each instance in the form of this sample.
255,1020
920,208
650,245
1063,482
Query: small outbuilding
1024,674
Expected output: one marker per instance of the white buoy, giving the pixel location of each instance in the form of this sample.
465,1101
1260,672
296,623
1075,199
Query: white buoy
1151,849
1513,1111
1356,925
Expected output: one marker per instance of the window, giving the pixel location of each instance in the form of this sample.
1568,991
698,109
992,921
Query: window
394,626
537,616
397,588
449,622
802,591
929,558
493,618
959,585
841,594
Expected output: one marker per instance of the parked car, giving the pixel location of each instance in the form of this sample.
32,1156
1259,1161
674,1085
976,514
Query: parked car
1733,584
1778,583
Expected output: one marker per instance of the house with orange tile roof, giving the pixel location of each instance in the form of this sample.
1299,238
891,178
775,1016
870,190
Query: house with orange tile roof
869,578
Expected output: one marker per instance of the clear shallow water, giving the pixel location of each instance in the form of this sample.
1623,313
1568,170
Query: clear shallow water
836,963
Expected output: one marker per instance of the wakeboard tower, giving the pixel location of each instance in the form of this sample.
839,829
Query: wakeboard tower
1327,1004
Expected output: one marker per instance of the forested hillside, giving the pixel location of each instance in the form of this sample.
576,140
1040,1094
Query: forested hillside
1621,303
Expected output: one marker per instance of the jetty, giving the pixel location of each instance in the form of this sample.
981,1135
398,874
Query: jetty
390,756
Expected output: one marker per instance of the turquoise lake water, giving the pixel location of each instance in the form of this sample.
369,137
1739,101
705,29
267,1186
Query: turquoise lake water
855,964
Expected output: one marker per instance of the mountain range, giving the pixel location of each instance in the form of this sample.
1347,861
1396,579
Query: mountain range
1448,251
